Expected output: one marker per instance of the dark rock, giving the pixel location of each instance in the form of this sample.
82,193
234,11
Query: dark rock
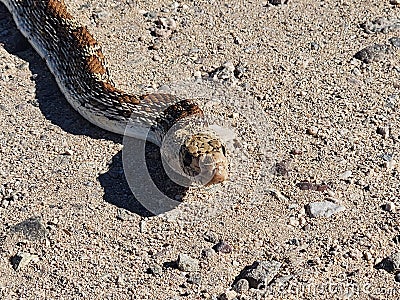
278,2
222,247
390,264
305,185
32,229
373,53
282,168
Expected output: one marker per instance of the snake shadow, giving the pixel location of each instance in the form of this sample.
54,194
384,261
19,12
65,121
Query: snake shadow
57,110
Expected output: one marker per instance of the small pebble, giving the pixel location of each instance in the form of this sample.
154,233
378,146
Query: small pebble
241,286
331,193
68,152
260,273
314,46
372,53
21,260
228,295
124,215
389,206
278,2
367,256
194,278
345,175
293,221
294,242
396,239
121,280
154,269
197,74
222,247
355,254
157,58
207,253
156,45
296,152
211,237
313,131
383,131
187,264
391,164
323,209
395,41
282,168
143,226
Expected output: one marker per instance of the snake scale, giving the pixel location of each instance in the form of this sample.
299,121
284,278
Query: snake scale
79,66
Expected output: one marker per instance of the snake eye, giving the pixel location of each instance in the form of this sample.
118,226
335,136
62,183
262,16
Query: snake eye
185,157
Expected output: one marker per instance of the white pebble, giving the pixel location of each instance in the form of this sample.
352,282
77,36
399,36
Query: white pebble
197,74
345,175
294,221
391,164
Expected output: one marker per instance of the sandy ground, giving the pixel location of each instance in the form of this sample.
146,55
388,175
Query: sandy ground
326,112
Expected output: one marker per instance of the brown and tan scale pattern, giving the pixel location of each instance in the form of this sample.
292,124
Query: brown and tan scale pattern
79,66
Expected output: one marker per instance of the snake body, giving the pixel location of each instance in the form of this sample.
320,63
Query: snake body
79,66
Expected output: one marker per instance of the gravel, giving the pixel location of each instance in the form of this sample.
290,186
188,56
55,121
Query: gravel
382,25
88,247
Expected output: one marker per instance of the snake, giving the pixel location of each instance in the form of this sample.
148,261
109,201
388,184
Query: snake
79,66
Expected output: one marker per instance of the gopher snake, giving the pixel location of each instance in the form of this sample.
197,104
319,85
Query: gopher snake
78,64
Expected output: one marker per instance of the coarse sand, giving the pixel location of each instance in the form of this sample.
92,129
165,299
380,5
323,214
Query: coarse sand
326,118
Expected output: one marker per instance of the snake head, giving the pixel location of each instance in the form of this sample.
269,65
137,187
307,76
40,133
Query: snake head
203,157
